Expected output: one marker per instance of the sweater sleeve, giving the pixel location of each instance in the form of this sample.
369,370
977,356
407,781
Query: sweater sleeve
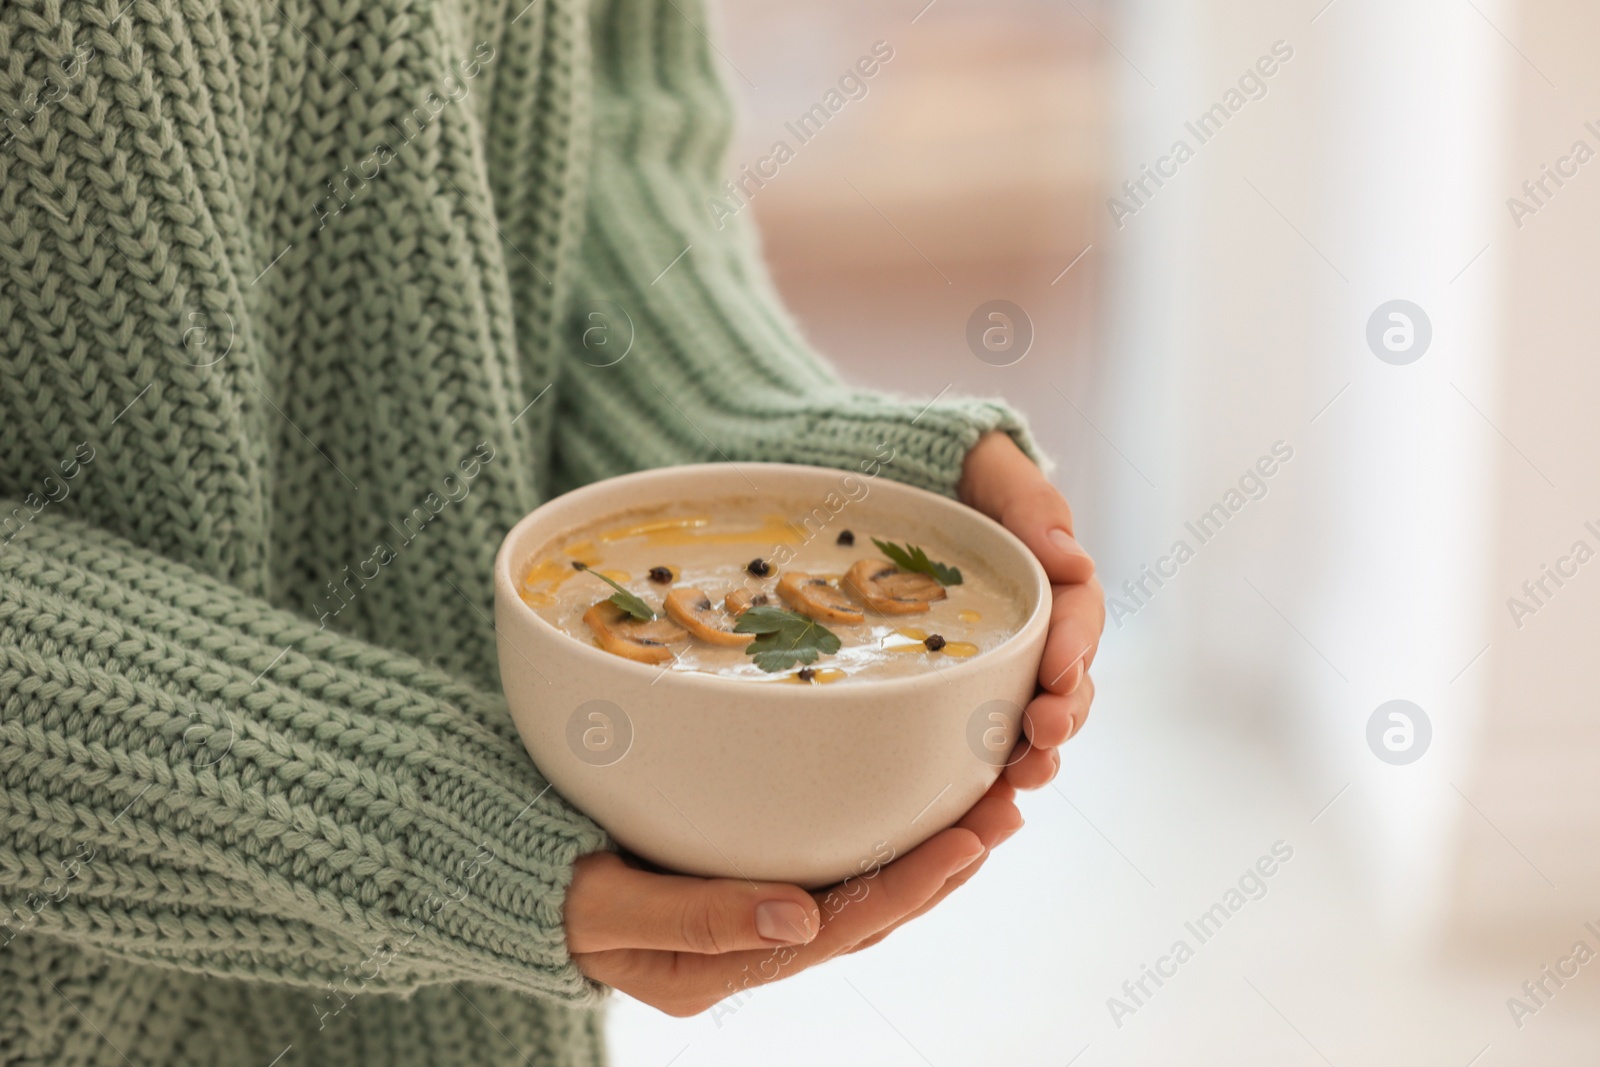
714,368
194,779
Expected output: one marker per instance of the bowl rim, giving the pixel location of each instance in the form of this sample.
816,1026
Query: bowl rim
1037,620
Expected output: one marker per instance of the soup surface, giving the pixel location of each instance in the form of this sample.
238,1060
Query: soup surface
820,604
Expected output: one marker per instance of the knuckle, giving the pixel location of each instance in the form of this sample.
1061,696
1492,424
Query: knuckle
704,925
1039,500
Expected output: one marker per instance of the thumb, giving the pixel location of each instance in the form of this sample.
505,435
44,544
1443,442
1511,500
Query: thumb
1002,482
611,905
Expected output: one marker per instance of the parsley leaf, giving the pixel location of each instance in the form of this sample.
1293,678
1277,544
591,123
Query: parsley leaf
623,599
913,558
786,638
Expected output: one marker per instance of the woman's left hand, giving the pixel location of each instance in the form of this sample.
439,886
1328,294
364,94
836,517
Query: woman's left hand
999,480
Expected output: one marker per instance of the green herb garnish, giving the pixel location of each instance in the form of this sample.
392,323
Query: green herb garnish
623,599
912,558
786,638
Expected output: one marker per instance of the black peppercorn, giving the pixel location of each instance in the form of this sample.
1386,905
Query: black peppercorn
661,574
846,537
934,642
759,567
806,674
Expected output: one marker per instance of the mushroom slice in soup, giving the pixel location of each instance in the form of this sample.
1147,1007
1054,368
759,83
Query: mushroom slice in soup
812,596
886,588
635,639
742,600
693,610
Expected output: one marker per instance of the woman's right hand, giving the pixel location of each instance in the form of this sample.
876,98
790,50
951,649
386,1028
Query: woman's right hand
682,944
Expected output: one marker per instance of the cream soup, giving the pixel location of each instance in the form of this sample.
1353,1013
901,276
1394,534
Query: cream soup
699,573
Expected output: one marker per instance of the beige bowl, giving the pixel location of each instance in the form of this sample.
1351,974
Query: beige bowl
728,777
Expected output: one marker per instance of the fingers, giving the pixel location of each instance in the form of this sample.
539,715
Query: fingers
1053,720
612,906
899,889
1000,480
1039,515
1034,770
853,911
960,879
985,820
995,816
1077,617
684,983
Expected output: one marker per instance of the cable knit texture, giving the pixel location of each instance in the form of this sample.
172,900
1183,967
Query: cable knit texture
303,303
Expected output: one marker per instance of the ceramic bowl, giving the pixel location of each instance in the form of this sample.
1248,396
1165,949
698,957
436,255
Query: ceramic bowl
727,777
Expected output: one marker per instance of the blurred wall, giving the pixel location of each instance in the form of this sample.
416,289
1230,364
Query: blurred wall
1358,171
1530,865
970,167
1227,312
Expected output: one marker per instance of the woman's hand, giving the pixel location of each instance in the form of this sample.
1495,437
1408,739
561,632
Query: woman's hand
682,944
1003,483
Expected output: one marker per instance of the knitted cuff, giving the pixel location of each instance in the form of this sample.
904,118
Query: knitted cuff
258,798
920,444
678,350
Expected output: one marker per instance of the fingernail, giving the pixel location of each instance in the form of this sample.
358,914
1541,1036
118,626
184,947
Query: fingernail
1068,679
1066,542
783,921
1007,835
1074,677
968,862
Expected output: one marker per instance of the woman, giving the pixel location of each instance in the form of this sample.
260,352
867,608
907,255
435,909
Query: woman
298,318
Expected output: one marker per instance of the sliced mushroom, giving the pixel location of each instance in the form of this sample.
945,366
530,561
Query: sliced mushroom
812,596
693,610
742,600
886,588
622,634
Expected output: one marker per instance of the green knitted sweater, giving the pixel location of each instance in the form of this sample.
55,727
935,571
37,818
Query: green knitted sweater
303,303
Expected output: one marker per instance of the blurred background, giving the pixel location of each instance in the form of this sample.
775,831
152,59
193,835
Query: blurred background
1166,337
